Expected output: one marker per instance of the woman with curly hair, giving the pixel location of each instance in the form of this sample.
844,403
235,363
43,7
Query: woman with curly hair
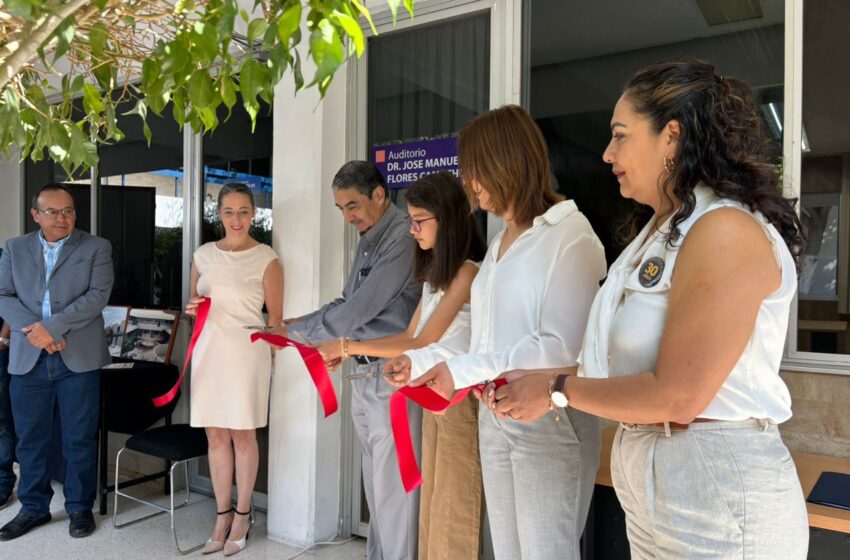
685,338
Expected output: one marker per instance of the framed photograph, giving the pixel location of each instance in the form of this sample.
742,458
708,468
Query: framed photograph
115,323
149,335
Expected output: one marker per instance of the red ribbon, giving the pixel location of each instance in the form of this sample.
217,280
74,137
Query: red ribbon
315,365
429,400
312,359
200,321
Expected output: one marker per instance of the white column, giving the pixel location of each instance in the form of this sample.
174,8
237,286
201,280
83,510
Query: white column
11,195
304,447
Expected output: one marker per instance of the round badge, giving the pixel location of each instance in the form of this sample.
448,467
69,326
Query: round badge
650,272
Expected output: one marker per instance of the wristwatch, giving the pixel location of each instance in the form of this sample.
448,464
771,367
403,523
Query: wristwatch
558,397
4,341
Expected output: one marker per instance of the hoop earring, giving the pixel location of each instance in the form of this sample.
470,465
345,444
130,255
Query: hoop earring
669,164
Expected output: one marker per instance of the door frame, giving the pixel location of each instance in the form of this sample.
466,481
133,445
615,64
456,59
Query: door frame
505,87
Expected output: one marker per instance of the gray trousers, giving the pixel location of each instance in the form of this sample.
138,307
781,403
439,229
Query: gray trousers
719,490
393,514
538,483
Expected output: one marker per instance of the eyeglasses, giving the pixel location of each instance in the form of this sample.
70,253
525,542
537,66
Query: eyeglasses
53,214
416,225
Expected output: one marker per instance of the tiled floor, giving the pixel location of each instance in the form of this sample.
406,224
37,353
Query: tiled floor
151,539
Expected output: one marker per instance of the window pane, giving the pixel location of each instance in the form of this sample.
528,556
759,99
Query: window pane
233,154
825,179
427,82
580,54
141,211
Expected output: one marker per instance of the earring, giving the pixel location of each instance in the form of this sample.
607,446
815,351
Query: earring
669,164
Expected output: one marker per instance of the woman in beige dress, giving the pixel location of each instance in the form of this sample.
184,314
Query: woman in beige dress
230,375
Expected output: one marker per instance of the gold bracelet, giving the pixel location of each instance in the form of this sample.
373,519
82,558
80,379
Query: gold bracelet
345,347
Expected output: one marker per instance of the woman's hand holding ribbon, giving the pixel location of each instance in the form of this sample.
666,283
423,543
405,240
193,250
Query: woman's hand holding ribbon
192,306
439,379
331,351
397,371
524,398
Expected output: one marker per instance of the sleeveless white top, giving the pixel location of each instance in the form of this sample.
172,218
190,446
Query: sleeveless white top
430,302
753,388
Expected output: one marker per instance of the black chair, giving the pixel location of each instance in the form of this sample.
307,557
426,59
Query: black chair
178,444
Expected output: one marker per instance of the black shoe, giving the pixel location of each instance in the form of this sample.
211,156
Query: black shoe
82,524
21,525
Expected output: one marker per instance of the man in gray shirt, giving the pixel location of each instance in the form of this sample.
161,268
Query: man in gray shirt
378,299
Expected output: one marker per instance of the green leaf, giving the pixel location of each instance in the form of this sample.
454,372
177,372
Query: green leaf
227,90
203,43
352,29
208,118
98,40
393,4
296,71
244,15
408,4
253,78
92,102
256,29
327,51
59,141
176,57
112,130
289,22
201,93
100,3
178,108
102,68
64,36
279,57
150,72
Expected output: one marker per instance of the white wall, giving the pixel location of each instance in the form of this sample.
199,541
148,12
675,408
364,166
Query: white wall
304,447
11,214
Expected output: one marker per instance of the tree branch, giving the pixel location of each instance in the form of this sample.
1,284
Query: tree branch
28,48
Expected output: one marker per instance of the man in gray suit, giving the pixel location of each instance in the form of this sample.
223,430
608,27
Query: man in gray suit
378,299
54,284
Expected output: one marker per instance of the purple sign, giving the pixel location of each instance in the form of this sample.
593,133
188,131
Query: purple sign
403,164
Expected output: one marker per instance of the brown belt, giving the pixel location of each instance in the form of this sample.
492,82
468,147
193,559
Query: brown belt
677,426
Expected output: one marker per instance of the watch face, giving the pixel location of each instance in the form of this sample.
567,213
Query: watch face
559,399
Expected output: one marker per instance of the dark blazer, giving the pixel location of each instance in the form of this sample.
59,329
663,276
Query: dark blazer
79,290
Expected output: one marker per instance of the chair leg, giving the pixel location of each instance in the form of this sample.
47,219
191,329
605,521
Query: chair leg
171,494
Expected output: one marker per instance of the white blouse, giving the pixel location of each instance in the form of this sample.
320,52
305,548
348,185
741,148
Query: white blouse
753,388
529,309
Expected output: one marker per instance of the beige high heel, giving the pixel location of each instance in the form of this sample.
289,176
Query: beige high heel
232,547
212,546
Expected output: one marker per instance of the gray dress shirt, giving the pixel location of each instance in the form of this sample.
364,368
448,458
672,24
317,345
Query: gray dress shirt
380,295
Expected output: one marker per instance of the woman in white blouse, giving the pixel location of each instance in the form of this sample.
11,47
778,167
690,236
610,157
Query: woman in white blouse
529,307
685,339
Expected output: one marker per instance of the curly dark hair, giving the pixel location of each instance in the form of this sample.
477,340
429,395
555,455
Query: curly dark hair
722,142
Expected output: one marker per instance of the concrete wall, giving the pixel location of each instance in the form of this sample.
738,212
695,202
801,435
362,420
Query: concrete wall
821,406
304,447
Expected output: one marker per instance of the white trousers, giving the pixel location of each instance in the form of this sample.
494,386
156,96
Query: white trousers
718,490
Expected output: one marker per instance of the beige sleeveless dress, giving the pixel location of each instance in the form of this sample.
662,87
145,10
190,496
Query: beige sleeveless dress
230,375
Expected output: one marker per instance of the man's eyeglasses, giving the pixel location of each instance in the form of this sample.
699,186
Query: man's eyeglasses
53,214
416,225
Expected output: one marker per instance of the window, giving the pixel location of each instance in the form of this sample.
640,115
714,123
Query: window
821,334
141,211
232,154
578,56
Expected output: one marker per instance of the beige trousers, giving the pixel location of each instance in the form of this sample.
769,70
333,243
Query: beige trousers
451,495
